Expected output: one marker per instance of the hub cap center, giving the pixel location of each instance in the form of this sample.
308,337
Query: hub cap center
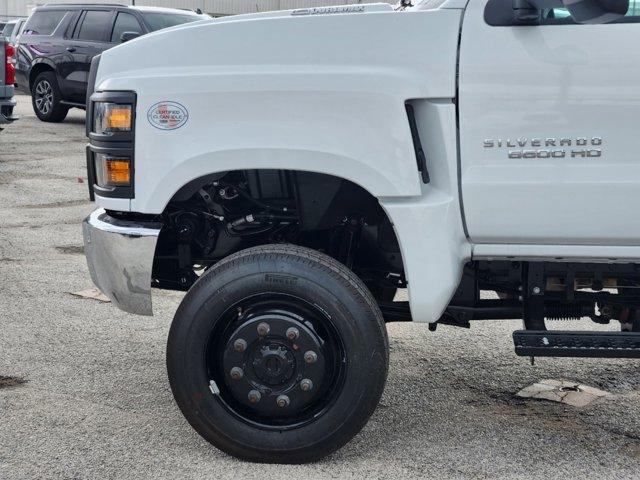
274,364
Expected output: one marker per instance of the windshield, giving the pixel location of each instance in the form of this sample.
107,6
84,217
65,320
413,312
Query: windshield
160,20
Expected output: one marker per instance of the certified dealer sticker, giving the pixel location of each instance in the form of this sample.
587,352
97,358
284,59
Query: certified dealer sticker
167,115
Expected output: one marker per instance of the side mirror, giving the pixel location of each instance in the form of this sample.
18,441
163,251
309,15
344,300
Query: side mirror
126,36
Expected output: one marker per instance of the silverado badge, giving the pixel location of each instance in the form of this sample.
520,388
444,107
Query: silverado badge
555,147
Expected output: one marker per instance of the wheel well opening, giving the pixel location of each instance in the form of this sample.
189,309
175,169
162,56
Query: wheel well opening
217,215
37,70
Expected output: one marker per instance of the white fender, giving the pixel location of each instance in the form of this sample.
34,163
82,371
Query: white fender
331,101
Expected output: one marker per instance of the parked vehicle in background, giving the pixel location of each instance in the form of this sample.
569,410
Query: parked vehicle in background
14,33
7,79
59,41
7,28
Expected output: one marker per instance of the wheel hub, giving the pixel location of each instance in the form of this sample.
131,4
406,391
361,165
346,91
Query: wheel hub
281,372
274,364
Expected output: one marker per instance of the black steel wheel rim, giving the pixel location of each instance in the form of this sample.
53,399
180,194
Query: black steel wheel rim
275,361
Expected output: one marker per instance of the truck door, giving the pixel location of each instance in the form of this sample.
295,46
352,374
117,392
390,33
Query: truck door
549,129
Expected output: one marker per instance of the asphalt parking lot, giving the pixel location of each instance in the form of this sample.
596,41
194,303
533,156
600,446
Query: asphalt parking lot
84,395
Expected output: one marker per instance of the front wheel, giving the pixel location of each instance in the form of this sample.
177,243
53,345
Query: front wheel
278,354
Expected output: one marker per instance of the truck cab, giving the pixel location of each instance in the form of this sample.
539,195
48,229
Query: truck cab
472,160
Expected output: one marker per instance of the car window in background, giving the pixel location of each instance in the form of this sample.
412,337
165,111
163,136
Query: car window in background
125,22
44,23
17,30
7,29
160,20
94,24
562,15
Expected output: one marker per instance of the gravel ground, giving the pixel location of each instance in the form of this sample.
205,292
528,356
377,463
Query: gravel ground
87,395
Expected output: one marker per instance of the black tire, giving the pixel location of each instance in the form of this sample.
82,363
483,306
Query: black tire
46,98
340,310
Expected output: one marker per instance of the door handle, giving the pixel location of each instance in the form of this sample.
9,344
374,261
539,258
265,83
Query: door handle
71,49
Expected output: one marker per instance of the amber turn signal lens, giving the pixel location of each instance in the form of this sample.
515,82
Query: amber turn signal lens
119,118
118,172
112,117
112,171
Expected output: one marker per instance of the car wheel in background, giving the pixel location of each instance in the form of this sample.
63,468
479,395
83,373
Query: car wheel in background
45,98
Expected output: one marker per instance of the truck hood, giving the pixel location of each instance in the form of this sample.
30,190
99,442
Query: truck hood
260,52
233,40
299,12
337,10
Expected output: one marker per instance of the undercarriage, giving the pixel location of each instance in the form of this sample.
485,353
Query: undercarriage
544,292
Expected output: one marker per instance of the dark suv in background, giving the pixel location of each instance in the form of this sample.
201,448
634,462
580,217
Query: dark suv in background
58,42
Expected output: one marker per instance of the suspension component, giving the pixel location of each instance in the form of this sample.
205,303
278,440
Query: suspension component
571,311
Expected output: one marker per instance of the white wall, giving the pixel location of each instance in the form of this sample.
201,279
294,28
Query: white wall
215,7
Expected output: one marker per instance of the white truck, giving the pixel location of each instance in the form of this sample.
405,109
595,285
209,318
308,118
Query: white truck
292,170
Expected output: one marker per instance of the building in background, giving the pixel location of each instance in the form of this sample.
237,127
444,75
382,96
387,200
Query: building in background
216,8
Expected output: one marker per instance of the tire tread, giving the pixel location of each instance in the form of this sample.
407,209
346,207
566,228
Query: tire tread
357,291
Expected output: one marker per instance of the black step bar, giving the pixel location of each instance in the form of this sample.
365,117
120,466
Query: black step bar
539,343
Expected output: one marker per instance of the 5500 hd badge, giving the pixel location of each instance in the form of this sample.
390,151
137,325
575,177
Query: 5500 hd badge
581,147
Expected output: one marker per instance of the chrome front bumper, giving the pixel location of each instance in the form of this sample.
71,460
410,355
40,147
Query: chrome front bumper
120,258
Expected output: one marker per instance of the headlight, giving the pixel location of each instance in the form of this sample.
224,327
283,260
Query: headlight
112,117
112,171
111,126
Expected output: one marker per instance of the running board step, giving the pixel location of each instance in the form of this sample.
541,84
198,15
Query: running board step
557,343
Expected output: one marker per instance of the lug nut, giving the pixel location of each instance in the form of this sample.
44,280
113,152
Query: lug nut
306,385
310,356
292,333
254,396
240,345
282,401
236,373
263,329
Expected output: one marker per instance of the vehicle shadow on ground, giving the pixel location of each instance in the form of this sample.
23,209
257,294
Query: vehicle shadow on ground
76,121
